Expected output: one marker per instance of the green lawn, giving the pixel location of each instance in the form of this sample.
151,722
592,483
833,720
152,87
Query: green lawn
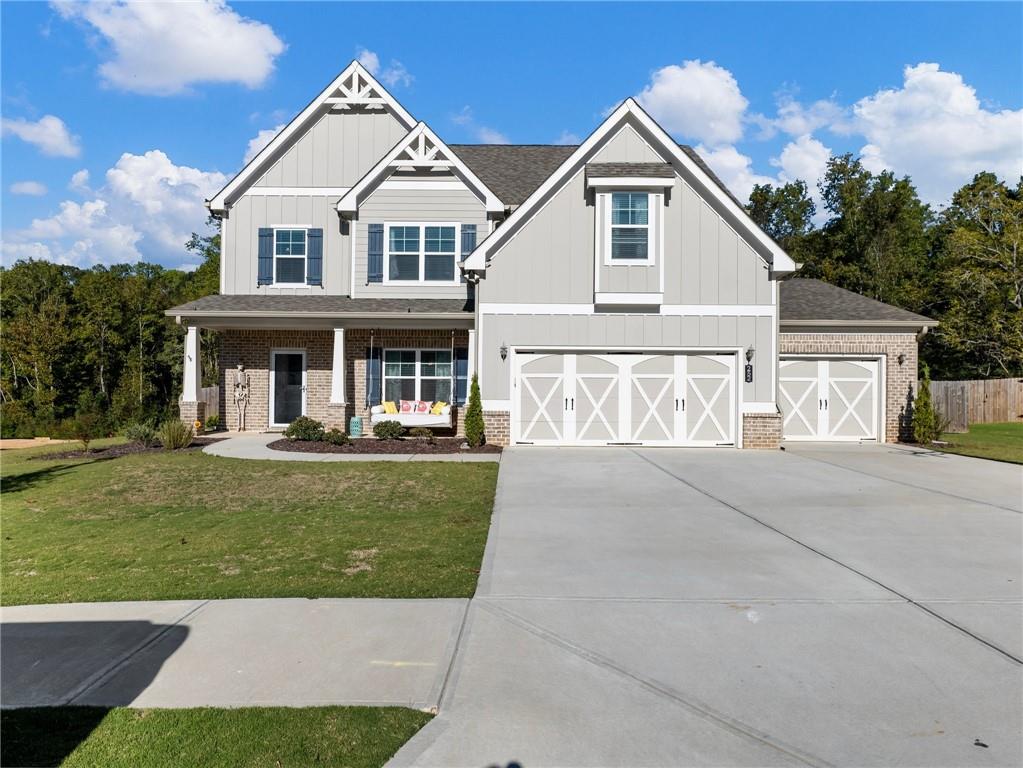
275,737
186,525
1003,442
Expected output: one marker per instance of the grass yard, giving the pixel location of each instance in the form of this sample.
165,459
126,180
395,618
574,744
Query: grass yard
91,737
1003,442
179,525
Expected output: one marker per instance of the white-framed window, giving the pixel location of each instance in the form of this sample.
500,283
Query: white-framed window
421,253
417,374
290,246
629,228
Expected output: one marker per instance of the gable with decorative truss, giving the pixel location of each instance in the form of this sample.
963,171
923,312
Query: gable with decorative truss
330,144
419,154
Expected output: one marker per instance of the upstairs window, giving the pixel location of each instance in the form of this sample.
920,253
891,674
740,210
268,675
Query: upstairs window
630,226
289,256
423,253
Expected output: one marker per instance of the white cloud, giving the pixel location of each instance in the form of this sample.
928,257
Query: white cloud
481,133
699,101
147,209
804,159
935,129
49,134
32,188
797,119
734,168
80,181
491,136
260,140
393,74
163,48
567,137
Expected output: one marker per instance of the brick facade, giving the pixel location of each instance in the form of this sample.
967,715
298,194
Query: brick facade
497,427
901,379
761,430
191,412
252,348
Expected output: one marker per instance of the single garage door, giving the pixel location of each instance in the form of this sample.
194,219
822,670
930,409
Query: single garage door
835,399
565,398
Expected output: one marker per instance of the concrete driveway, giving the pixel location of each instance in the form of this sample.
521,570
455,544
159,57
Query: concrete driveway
823,606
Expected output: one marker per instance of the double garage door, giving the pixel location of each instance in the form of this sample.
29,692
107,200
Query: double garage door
564,398
834,399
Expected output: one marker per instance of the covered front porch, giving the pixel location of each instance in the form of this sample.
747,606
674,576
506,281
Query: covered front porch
329,366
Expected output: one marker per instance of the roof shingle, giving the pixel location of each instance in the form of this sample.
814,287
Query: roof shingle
625,170
814,300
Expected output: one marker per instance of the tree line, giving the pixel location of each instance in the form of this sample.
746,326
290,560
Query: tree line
96,340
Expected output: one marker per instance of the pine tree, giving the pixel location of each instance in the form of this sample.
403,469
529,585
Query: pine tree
924,420
474,417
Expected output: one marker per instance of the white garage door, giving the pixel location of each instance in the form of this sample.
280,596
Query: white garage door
605,399
829,399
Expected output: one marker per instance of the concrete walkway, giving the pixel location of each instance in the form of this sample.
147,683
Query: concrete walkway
229,653
856,605
253,445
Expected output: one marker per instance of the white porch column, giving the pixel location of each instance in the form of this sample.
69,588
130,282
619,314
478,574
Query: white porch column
193,367
471,368
337,377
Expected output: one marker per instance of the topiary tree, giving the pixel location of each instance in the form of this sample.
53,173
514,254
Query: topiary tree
925,421
474,427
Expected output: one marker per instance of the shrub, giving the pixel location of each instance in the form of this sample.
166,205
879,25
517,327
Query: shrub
388,430
86,427
212,422
305,429
474,434
925,421
424,433
141,432
174,434
336,437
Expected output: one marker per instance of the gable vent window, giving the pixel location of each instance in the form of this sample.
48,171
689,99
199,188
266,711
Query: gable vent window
289,256
422,253
630,226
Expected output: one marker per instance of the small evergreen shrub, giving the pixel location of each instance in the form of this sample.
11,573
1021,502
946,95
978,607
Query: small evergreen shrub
925,420
423,433
474,428
213,422
175,435
388,430
141,432
304,428
336,437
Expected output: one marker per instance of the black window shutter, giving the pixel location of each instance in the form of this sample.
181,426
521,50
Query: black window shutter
468,242
461,374
266,256
373,379
314,257
375,251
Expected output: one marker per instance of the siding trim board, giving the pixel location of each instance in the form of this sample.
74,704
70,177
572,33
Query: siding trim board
673,310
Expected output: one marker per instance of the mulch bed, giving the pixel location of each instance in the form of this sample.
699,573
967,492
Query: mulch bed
124,449
374,445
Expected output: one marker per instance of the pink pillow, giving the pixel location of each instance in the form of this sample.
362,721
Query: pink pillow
423,406
406,406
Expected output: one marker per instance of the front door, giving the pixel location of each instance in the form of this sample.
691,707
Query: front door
287,387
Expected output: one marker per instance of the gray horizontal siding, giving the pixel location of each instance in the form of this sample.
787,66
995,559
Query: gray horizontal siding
633,332
411,205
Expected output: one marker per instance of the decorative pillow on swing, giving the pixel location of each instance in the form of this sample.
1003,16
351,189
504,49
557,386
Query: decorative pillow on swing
390,407
423,406
438,408
407,406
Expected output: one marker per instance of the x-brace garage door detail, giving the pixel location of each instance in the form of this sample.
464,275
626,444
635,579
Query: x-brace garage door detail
829,399
606,399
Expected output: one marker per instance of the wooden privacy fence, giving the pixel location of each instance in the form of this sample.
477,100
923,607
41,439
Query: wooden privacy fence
978,402
210,396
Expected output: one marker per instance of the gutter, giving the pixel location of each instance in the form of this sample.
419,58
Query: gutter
923,323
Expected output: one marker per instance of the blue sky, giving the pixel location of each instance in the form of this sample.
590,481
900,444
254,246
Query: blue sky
158,104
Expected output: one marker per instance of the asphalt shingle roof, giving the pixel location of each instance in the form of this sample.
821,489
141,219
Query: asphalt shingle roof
321,305
619,170
805,299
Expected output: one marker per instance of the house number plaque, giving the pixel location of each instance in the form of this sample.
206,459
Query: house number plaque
749,373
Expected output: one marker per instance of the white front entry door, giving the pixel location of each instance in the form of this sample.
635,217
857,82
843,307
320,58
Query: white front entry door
605,399
834,399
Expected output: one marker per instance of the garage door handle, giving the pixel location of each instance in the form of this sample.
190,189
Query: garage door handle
573,404
820,405
566,403
825,405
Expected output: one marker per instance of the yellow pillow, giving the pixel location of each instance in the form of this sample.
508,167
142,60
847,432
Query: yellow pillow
390,407
439,406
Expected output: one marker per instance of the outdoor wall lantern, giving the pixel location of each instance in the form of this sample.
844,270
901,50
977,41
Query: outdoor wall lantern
749,355
901,358
504,351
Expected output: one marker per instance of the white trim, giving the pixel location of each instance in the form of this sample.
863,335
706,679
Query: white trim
438,185
628,298
414,147
337,369
496,405
192,367
273,372
470,368
455,255
305,257
748,406
297,191
629,109
690,310
223,255
652,200
630,181
353,228
355,71
789,324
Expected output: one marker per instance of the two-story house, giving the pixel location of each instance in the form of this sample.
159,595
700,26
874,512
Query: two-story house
612,292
